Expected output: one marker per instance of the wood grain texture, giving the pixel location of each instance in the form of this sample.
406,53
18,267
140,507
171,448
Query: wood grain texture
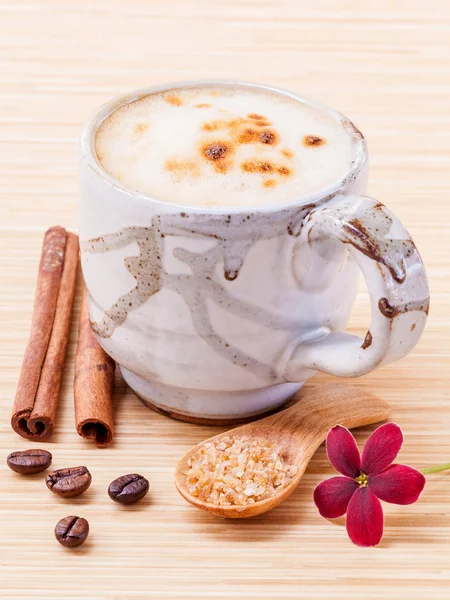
384,63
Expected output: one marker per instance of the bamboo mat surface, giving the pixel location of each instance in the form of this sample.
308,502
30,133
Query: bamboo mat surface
386,64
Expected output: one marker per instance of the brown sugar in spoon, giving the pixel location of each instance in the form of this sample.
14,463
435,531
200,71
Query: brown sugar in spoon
298,431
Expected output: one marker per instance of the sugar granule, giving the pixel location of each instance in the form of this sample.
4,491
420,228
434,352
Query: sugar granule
238,471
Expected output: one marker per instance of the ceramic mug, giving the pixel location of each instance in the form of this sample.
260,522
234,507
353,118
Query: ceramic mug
222,314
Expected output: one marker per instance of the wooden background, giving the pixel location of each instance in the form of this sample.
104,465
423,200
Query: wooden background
384,63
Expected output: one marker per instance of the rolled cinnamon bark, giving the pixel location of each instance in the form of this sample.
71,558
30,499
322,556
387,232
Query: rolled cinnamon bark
93,387
39,383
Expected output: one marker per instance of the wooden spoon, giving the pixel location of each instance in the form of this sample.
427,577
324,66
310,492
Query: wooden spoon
298,431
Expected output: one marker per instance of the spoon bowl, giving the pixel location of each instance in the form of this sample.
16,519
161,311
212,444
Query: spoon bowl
298,431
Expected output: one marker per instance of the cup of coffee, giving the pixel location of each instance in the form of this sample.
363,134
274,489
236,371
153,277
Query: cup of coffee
223,226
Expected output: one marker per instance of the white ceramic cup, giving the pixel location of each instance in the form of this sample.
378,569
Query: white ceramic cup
221,314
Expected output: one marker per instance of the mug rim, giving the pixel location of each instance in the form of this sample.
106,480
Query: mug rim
87,147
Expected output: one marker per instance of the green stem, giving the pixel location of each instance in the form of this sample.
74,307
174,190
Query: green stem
435,469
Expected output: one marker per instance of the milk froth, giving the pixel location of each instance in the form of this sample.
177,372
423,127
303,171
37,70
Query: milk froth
223,147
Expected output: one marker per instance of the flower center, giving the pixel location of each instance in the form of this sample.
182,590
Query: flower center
362,479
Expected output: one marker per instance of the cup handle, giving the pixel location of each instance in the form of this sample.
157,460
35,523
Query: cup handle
395,278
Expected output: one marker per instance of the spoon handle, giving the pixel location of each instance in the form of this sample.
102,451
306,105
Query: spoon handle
325,406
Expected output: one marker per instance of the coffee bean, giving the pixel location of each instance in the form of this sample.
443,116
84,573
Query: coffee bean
128,489
69,482
29,461
72,531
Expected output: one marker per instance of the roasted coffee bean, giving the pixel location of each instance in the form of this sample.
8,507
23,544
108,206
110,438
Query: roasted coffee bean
29,461
72,531
128,489
69,482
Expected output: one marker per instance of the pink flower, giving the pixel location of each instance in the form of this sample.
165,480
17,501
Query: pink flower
368,478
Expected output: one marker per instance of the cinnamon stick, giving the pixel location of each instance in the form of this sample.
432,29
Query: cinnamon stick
39,383
94,381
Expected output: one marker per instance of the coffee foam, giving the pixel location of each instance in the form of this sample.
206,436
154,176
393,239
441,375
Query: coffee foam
223,147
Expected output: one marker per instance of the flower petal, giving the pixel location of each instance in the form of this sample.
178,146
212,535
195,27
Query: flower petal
343,452
398,484
364,518
381,448
333,495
